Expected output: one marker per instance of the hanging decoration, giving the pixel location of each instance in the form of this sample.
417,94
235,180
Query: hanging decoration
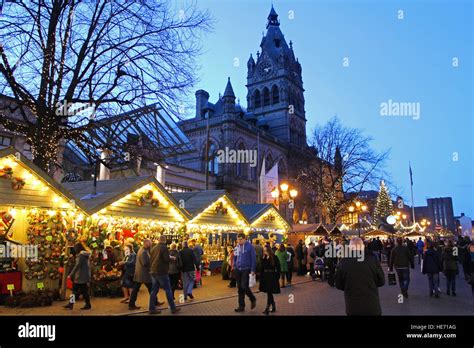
148,197
269,218
6,172
220,209
18,184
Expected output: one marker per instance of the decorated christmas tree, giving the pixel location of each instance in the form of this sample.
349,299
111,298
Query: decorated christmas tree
383,205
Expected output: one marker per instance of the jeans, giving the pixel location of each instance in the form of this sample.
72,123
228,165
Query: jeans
162,281
188,283
433,280
242,277
403,278
134,294
451,281
420,255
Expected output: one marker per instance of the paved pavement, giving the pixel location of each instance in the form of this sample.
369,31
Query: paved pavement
305,297
318,298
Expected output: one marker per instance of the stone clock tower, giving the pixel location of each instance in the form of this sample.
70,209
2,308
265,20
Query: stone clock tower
275,86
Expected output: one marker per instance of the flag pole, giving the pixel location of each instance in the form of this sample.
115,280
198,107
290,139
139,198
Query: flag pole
412,202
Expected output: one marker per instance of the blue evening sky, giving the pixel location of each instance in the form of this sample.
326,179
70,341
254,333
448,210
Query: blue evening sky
408,60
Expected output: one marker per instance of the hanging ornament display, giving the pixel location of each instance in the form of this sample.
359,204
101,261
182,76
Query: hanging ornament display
155,203
46,230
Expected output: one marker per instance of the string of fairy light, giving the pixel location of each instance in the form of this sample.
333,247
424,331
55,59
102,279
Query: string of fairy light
111,213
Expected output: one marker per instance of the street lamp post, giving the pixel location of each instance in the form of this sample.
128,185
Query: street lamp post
357,208
283,195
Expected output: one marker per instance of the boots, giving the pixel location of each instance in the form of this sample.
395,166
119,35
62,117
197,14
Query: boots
267,310
273,307
87,306
68,306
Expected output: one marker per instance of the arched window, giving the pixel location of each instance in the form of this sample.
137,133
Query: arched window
212,159
268,162
257,101
275,95
266,97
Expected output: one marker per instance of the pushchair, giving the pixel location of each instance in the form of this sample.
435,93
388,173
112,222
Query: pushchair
319,269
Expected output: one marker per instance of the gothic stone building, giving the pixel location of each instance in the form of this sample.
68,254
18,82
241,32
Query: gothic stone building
273,123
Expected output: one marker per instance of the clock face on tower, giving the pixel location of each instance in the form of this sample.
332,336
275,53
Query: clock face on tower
265,68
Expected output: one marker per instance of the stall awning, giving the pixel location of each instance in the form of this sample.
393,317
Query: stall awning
378,233
264,216
304,228
134,197
23,184
211,207
414,234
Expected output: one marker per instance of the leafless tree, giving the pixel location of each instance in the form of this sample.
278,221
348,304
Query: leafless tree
69,63
345,165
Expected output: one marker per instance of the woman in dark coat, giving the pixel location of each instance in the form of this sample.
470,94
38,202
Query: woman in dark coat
269,279
81,276
128,265
432,267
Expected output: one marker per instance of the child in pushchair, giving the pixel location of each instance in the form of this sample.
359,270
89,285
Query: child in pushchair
319,267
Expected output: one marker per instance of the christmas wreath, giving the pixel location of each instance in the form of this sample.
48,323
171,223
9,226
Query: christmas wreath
149,194
141,201
6,172
71,235
18,184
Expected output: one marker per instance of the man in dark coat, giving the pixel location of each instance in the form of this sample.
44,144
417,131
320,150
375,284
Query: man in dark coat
359,277
81,276
188,264
142,273
432,266
300,258
401,258
159,270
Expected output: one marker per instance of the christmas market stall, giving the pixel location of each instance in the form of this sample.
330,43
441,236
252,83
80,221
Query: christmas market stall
37,216
383,235
414,236
124,211
266,222
335,232
301,232
317,234
216,221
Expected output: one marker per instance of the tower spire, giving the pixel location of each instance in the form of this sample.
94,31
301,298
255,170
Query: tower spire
273,18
